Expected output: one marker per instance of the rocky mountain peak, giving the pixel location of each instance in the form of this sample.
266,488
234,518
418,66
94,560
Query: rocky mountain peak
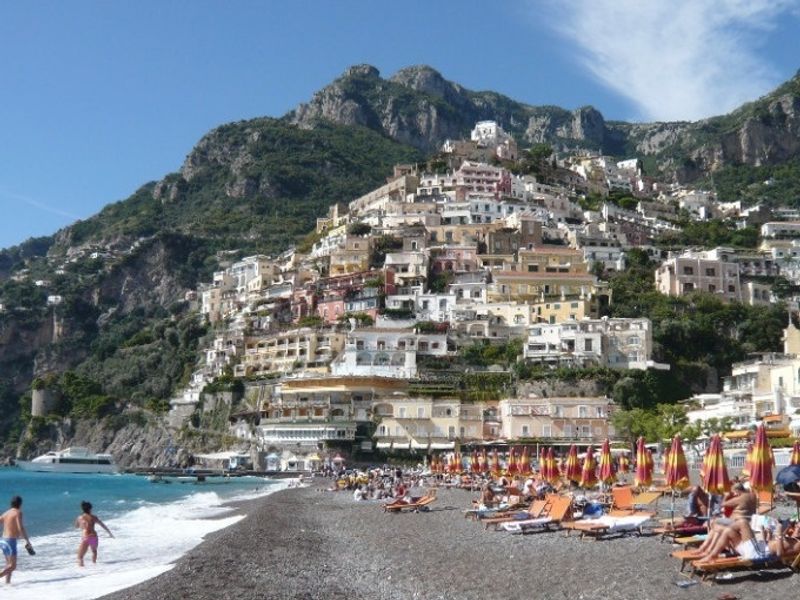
423,78
362,70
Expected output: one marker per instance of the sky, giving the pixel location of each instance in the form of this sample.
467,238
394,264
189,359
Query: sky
99,97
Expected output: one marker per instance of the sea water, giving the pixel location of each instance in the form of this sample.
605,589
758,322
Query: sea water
153,524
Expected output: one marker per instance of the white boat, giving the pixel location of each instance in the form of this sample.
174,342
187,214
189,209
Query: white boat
71,460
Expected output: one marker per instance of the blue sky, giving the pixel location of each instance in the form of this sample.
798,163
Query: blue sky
98,97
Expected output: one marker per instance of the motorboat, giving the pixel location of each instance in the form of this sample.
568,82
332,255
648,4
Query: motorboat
71,460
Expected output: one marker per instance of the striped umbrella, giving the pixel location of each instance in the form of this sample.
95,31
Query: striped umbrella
551,475
433,467
605,464
643,476
762,461
588,475
748,461
715,473
483,461
572,468
795,460
524,462
494,464
677,472
511,467
623,463
474,462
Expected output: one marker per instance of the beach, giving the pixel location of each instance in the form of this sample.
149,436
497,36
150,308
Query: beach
308,543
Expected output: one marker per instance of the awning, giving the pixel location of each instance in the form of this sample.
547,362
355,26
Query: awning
384,445
419,445
220,455
401,446
442,446
313,457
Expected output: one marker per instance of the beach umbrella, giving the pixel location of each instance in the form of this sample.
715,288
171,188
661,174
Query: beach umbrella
643,476
474,462
511,465
494,464
715,473
483,461
572,468
762,461
605,464
795,460
588,475
553,473
677,471
434,464
525,462
623,463
748,460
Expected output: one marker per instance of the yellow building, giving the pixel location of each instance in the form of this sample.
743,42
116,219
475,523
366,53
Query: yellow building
286,351
566,420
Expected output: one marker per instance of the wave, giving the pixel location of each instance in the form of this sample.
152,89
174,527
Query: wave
148,539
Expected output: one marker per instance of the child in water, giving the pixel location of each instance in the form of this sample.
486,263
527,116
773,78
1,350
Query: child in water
86,523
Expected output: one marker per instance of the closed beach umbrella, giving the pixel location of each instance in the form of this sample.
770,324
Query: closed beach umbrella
494,465
623,463
643,476
795,460
524,462
572,468
605,464
511,467
748,461
588,475
483,461
434,464
549,470
715,473
762,461
474,462
677,472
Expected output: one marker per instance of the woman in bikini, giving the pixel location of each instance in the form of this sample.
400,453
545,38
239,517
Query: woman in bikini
86,523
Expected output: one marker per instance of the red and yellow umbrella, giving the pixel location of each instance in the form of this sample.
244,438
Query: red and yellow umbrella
762,461
511,466
795,460
572,468
677,471
494,464
474,462
524,462
623,463
483,461
643,476
551,475
715,473
588,475
606,464
748,461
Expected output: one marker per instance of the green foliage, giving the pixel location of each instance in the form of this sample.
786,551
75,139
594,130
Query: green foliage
710,234
311,321
772,185
484,354
359,228
438,282
661,422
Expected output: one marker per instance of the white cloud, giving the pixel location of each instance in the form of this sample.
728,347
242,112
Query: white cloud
675,59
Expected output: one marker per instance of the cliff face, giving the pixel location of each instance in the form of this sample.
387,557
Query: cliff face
417,106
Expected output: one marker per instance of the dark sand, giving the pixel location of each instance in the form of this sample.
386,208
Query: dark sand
309,544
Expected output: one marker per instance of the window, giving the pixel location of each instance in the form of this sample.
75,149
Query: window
402,413
732,288
600,412
688,270
568,431
420,412
712,288
547,431
711,272
533,268
525,431
583,412
587,345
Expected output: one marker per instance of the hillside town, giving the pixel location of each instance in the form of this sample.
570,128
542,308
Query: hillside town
354,341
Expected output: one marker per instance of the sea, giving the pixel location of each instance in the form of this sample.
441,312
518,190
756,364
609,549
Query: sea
154,524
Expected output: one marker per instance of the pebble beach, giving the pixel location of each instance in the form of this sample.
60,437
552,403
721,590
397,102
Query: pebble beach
307,543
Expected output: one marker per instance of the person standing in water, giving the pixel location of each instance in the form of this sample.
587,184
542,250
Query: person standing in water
12,530
86,523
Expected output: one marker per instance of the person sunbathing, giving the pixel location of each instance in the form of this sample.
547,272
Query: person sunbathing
722,532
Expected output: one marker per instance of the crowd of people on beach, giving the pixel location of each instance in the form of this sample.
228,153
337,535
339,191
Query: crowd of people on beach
14,530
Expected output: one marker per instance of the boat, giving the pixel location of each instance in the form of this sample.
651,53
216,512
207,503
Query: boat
71,460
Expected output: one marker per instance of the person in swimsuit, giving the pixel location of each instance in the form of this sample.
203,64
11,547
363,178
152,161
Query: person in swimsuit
12,529
86,523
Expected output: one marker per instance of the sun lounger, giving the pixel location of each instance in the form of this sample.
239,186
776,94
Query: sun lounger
624,502
766,502
608,525
560,511
538,508
421,503
707,569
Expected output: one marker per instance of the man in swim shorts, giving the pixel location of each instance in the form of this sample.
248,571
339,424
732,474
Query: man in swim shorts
12,529
86,523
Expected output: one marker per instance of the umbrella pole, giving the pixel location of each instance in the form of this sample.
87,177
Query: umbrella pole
672,509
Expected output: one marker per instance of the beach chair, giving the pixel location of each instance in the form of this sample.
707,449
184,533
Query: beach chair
732,563
624,503
766,502
537,509
515,504
632,522
422,503
559,513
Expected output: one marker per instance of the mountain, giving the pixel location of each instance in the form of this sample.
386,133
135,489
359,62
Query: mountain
122,338
418,107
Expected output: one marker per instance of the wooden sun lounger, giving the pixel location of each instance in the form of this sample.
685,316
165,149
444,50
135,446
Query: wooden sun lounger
560,511
705,570
596,528
538,508
423,502
624,502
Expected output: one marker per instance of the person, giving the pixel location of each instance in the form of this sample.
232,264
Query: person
86,523
735,533
487,497
13,529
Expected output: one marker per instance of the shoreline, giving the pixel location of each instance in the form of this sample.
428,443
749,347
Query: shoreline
306,543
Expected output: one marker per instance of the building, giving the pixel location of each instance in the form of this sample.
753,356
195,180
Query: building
616,343
293,350
699,272
557,421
